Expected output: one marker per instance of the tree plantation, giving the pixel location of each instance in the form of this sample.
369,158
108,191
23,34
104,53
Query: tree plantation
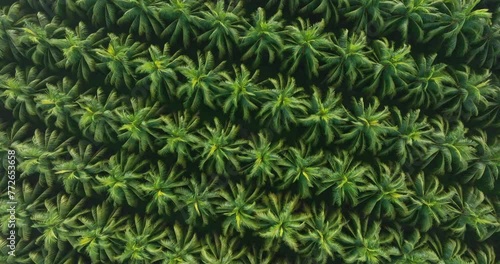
252,131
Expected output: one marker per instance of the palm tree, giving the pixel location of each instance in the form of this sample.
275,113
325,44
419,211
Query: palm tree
121,178
349,59
304,168
58,102
320,242
325,117
262,159
485,168
427,87
241,92
37,156
484,51
475,213
78,50
10,135
258,255
183,20
38,39
450,150
448,250
141,16
458,24
489,114
412,138
11,19
56,221
102,12
368,14
366,242
18,91
219,148
78,173
345,179
141,240
468,94
292,5
160,72
96,115
328,9
409,17
367,126
138,126
394,68
221,250
96,231
263,38
385,192
413,247
202,80
304,45
119,59
161,187
280,222
180,246
285,104
199,199
222,26
430,203
239,208
179,137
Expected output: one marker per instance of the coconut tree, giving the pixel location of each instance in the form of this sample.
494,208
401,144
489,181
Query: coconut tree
348,60
198,199
262,159
160,187
345,179
413,247
241,92
96,115
450,150
468,94
102,12
219,249
239,208
305,44
78,173
367,127
321,240
365,241
57,102
325,117
431,203
203,80
219,148
292,5
160,72
78,50
222,27
11,20
327,9
484,51
179,137
304,168
37,156
448,250
139,125
458,24
141,16
368,14
412,138
18,92
393,68
118,59
10,135
475,213
56,221
120,178
96,231
141,240
426,88
280,221
285,104
180,246
182,20
263,38
385,192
